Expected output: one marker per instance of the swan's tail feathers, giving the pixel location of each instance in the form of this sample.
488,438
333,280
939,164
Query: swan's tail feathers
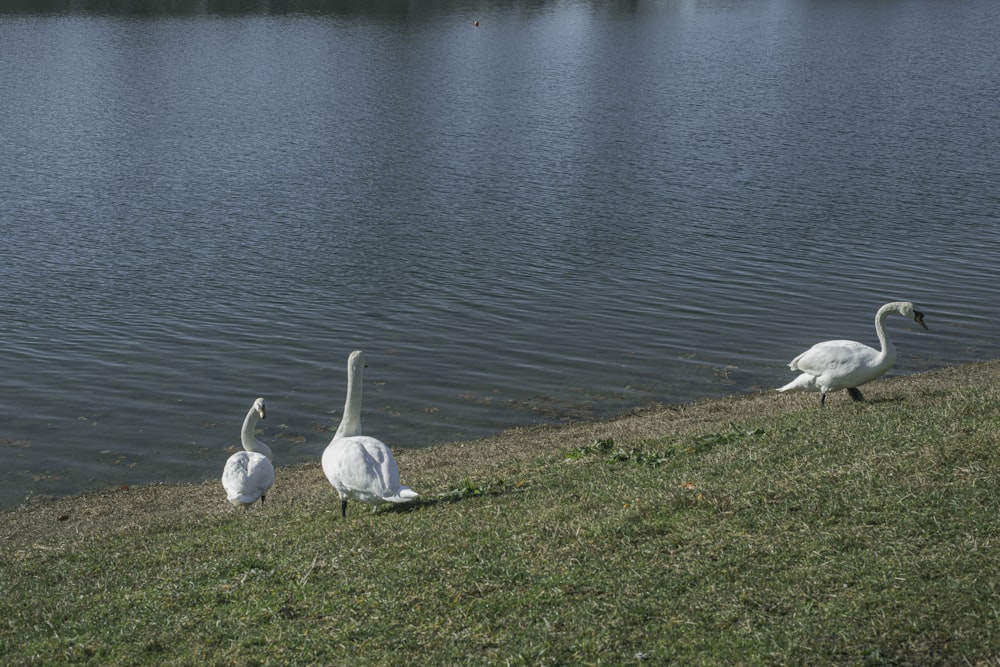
405,495
804,382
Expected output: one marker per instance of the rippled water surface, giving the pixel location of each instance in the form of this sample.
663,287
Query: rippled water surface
567,211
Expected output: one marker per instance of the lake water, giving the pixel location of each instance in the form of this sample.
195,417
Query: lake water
570,210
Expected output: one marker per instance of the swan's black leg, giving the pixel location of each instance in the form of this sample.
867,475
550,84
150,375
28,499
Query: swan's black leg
822,399
855,393
343,508
262,496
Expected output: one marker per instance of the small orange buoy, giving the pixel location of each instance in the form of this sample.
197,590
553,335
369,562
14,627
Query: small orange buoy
476,24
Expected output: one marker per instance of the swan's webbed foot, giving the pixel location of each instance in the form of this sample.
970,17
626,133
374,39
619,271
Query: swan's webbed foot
855,394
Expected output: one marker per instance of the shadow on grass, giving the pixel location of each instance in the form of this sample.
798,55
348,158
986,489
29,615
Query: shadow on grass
884,400
466,491
470,489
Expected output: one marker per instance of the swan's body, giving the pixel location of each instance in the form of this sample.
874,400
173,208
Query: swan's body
846,364
360,467
249,474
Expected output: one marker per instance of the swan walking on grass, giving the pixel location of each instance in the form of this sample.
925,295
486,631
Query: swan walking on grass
360,467
846,364
249,474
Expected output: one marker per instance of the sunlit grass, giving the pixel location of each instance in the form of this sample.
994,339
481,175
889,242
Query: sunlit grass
755,530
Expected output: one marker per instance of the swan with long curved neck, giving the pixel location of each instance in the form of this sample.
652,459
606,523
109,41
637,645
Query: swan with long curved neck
360,467
249,474
846,364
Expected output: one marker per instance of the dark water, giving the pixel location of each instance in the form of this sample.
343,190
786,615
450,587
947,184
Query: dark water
570,210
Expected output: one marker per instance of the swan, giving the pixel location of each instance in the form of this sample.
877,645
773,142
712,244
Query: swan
249,474
846,364
358,466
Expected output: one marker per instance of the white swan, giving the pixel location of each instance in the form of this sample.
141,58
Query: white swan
249,474
360,467
846,364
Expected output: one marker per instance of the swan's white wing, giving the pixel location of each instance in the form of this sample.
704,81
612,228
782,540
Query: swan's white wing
393,489
837,356
383,464
837,364
246,477
363,468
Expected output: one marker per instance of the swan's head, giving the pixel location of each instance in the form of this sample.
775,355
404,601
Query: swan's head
260,408
907,309
356,362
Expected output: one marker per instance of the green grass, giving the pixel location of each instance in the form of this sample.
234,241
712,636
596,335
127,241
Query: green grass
753,530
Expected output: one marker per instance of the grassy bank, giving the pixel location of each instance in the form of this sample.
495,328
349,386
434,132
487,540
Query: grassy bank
753,530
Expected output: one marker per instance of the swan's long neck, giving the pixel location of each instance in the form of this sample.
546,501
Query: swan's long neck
250,441
350,423
887,355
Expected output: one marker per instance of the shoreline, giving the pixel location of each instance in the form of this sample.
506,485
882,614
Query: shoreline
42,484
437,466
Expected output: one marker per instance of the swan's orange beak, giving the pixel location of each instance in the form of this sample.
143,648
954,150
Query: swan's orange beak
263,412
919,318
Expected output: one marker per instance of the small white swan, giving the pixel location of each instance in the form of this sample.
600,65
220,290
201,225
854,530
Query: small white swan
846,364
360,467
249,474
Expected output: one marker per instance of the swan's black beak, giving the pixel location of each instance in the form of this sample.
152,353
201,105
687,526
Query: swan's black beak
919,318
